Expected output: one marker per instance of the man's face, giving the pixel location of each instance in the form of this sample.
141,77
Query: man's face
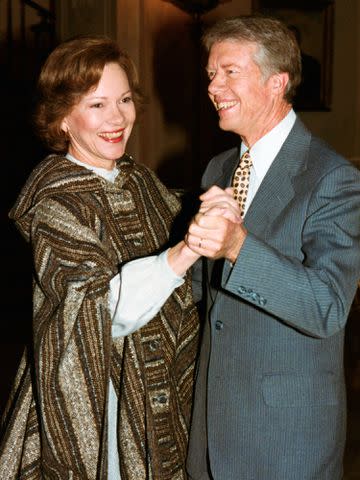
244,100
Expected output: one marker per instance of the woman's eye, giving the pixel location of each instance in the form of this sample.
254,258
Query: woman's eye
127,99
96,105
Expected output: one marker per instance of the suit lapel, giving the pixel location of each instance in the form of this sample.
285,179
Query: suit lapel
228,171
276,189
273,195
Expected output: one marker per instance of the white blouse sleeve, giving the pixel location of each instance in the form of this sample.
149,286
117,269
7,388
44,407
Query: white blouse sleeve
139,291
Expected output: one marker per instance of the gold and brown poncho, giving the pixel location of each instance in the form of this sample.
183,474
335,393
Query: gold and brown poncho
81,229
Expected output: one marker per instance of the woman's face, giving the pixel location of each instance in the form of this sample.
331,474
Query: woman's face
100,124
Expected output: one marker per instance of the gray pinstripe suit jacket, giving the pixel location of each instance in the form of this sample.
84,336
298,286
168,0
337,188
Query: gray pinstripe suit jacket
270,394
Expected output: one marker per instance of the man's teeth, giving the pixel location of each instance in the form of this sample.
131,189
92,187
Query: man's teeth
222,105
111,135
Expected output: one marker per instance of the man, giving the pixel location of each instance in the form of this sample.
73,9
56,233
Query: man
270,392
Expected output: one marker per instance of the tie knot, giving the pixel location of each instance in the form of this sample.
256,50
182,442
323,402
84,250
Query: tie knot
245,160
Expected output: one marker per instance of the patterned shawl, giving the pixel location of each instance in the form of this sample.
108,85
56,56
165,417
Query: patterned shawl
82,228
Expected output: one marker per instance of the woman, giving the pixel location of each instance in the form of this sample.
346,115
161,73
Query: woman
97,396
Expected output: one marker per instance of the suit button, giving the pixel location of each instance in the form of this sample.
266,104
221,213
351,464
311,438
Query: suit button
219,325
262,301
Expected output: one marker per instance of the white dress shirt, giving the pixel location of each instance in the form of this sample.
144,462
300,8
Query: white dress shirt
263,153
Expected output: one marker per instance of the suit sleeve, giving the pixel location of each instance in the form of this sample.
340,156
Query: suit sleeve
313,295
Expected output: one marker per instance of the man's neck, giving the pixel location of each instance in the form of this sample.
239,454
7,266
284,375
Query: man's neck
253,137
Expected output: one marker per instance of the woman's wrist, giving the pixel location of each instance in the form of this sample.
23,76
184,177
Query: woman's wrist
180,258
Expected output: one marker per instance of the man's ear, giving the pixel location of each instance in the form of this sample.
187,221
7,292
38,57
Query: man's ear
279,82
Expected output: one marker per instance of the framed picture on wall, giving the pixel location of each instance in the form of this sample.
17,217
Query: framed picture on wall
312,23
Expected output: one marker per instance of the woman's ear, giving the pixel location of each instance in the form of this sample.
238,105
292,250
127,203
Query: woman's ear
64,126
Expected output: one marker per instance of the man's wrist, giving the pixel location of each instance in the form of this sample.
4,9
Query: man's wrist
235,250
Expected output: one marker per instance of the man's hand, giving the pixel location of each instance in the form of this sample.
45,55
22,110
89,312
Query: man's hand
220,202
217,230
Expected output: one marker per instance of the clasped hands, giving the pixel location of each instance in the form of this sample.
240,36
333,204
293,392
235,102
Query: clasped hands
217,231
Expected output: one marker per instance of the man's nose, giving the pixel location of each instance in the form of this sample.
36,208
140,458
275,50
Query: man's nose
216,84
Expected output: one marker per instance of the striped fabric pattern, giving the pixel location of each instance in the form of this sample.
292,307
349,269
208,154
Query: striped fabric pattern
82,228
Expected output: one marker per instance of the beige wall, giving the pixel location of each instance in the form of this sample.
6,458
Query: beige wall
341,126
177,134
160,38
74,17
172,136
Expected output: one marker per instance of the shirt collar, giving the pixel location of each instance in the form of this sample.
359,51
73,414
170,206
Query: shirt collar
264,151
109,175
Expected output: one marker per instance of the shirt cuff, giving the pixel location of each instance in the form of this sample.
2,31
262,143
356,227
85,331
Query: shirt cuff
139,291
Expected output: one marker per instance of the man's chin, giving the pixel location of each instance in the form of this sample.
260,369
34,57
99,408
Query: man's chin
225,125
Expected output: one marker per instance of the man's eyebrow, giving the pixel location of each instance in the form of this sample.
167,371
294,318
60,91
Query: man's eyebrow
225,65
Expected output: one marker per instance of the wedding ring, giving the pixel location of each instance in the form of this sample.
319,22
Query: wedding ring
200,242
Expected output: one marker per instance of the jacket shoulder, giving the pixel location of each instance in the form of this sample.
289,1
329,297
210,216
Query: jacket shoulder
217,165
323,159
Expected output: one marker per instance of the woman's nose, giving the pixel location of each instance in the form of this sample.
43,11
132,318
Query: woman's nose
117,112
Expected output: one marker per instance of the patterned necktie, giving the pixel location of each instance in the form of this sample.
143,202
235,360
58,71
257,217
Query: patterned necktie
241,179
